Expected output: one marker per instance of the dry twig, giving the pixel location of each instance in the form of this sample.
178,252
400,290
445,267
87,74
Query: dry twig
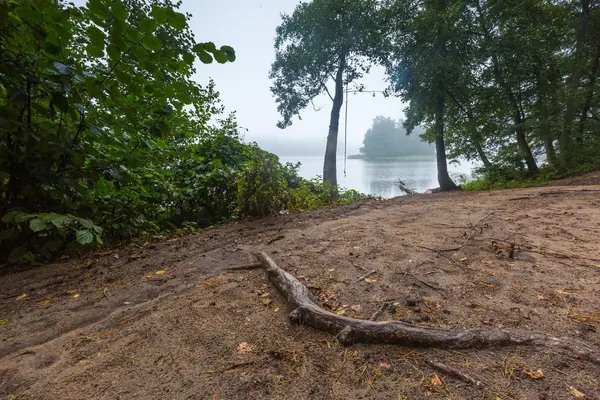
443,368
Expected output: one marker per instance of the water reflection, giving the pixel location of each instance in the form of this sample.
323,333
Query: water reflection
378,177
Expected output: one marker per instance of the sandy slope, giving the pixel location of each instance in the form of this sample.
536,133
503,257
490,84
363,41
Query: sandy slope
103,327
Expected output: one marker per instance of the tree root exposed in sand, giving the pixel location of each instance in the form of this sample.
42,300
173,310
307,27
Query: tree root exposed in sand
350,330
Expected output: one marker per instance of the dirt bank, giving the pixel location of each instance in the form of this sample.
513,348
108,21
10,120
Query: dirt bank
164,320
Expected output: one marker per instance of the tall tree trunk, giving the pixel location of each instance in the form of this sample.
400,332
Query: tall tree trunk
329,165
574,82
482,156
440,147
519,121
590,91
544,119
444,179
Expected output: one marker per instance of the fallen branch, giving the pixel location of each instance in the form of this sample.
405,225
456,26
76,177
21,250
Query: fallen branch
421,281
246,266
551,192
380,311
405,188
443,250
368,274
350,330
276,238
445,369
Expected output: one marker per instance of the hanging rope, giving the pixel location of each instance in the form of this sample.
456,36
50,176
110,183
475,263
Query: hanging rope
346,131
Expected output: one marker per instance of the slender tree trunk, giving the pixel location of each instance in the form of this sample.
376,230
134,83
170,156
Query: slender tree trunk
590,92
481,153
329,165
440,147
444,179
519,121
565,137
544,119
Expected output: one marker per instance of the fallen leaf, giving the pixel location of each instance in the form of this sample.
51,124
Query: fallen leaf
173,240
369,280
21,297
384,365
76,295
576,393
276,309
150,276
340,311
436,381
84,361
293,355
331,269
3,321
161,272
244,347
463,259
266,301
45,302
539,374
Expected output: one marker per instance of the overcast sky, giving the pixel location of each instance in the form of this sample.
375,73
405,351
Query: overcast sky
249,27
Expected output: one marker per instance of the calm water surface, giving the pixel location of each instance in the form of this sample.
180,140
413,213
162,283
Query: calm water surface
378,177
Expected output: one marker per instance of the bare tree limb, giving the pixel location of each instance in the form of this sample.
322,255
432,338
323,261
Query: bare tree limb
350,330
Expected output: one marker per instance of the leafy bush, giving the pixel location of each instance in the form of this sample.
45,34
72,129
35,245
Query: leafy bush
31,235
105,136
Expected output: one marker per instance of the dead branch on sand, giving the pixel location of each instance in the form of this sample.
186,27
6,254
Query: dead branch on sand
350,330
365,276
555,192
445,369
405,188
380,310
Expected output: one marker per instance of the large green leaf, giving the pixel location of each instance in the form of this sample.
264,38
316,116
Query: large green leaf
153,43
84,236
147,25
220,56
37,225
96,35
177,21
160,14
60,221
205,57
96,51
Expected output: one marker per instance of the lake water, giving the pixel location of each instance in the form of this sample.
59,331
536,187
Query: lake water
378,176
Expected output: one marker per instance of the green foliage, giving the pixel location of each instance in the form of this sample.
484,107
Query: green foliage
320,37
506,81
386,138
97,110
43,235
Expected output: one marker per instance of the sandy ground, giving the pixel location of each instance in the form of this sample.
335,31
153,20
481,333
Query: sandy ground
166,321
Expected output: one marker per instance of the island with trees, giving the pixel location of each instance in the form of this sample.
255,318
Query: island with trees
388,139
